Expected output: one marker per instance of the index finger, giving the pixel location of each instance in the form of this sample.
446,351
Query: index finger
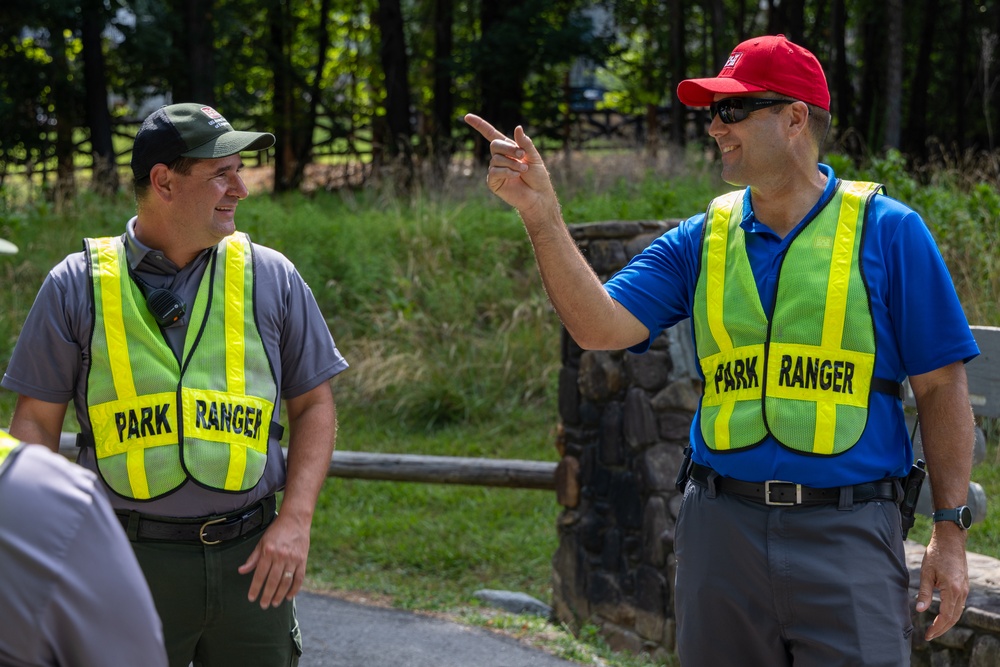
481,126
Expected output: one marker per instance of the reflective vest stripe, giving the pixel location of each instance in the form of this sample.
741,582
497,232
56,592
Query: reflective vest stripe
114,321
235,351
840,267
235,340
716,289
121,367
7,445
716,267
836,304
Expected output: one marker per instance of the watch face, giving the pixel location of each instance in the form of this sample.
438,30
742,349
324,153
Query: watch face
965,516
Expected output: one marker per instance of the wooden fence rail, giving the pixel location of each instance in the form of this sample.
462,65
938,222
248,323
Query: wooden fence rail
508,473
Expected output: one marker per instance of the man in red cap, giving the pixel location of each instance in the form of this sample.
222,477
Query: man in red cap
810,298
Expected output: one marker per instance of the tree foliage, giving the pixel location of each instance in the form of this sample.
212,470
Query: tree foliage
350,81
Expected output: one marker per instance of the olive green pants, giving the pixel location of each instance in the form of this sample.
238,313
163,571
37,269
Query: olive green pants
202,602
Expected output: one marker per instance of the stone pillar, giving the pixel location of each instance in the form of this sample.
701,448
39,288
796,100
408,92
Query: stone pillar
624,422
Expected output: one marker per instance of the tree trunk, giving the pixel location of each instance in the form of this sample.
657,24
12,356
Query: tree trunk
894,74
678,67
842,89
398,135
720,50
285,167
295,120
194,39
820,33
443,103
915,141
958,79
501,87
741,21
105,169
62,95
872,77
793,13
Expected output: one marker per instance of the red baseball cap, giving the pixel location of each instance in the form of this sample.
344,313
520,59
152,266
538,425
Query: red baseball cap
768,63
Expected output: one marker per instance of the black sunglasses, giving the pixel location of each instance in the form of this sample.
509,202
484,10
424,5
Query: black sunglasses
735,109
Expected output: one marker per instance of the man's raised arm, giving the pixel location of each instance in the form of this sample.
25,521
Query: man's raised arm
518,176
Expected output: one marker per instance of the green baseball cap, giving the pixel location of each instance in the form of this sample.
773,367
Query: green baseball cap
189,130
7,248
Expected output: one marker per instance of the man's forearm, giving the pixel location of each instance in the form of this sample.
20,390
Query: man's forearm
947,431
590,315
38,422
312,427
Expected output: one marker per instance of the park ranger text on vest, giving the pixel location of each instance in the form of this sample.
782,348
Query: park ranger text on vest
810,298
178,342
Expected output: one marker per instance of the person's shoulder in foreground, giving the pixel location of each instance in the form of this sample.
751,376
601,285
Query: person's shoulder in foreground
73,593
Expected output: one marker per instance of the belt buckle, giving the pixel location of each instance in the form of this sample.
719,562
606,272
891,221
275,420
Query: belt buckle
776,503
201,531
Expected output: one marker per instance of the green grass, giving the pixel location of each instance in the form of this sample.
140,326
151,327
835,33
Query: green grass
454,350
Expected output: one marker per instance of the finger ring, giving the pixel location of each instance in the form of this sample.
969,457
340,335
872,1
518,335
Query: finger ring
288,575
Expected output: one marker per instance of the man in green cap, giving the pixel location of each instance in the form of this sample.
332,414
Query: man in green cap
176,341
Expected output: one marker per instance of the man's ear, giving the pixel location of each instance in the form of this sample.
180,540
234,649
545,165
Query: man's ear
798,117
161,181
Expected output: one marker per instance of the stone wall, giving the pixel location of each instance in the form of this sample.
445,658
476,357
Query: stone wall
624,421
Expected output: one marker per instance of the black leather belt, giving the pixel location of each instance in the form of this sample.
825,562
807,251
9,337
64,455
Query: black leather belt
204,530
778,493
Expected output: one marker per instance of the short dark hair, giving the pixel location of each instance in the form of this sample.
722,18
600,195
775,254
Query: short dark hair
819,124
819,118
182,165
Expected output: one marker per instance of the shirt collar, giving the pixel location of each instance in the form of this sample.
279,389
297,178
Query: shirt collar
153,260
750,223
135,250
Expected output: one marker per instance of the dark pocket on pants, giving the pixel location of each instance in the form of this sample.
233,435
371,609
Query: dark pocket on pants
295,636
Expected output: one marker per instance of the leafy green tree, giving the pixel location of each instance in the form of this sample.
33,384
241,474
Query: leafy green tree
41,87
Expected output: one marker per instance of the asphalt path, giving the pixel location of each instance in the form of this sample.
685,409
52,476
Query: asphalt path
339,633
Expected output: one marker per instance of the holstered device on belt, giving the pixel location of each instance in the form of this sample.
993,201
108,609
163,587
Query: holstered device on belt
684,471
911,492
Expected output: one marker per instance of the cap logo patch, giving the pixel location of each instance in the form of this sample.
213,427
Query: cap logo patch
733,59
216,118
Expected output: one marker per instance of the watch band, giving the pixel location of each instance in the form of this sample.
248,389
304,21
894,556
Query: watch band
959,515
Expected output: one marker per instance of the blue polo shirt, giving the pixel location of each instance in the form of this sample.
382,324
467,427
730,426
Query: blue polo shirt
919,327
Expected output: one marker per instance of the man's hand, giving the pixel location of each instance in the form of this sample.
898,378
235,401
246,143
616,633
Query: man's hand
947,430
944,568
517,173
278,562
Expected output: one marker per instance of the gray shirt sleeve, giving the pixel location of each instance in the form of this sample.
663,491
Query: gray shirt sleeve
290,321
73,592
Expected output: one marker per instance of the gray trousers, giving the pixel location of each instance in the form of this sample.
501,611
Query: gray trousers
811,586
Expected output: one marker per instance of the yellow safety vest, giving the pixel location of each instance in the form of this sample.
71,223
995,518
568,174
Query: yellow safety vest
805,376
7,445
156,421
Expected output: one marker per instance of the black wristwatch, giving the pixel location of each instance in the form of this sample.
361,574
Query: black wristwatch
960,515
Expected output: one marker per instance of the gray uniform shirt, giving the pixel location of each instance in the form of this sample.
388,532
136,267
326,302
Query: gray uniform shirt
71,591
52,356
